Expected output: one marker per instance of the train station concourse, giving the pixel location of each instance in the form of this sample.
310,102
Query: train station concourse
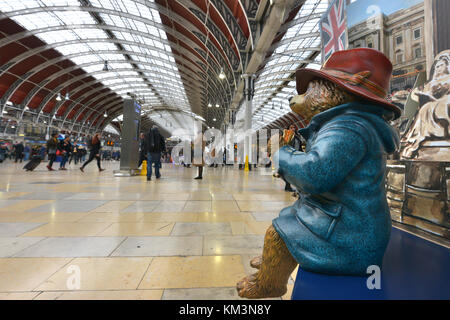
251,150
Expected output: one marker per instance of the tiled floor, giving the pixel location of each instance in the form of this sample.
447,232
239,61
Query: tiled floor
69,235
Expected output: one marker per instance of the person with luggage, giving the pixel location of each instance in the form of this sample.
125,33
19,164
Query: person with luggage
35,159
52,148
154,145
95,146
65,148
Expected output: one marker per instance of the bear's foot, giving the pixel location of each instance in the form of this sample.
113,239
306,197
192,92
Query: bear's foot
252,288
256,262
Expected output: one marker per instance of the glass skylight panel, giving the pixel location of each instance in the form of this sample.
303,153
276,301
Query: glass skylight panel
37,20
91,69
90,33
85,59
96,46
57,36
73,48
74,17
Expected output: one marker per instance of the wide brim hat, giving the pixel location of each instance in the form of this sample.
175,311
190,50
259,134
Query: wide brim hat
363,72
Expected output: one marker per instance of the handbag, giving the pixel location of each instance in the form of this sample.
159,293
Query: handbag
58,153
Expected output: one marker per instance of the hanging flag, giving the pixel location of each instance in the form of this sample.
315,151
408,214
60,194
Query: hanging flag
333,29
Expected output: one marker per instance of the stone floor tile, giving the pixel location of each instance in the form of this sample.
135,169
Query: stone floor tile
101,295
12,245
69,206
138,229
201,228
100,274
15,229
193,272
160,246
25,274
68,229
223,245
72,247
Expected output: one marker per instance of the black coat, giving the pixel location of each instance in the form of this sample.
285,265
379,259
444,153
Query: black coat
154,141
65,147
19,148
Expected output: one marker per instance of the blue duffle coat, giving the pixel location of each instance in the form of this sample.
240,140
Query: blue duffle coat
341,223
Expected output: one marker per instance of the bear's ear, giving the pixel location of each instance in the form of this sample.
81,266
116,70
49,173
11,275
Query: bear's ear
295,103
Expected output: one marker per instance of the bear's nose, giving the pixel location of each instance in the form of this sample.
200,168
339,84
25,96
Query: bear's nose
290,98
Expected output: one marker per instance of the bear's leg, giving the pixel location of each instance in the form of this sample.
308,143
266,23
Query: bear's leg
276,266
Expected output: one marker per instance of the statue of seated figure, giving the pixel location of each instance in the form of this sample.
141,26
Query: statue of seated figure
340,225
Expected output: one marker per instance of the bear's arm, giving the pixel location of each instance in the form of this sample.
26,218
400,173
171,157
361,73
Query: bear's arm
337,150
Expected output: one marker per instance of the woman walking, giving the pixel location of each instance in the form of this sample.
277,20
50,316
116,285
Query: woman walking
52,147
65,147
94,152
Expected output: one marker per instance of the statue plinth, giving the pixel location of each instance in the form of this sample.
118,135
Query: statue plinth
418,194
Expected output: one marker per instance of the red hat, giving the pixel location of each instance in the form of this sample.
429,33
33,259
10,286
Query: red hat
363,72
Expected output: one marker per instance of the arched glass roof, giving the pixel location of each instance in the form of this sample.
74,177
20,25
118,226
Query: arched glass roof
299,48
151,75
167,54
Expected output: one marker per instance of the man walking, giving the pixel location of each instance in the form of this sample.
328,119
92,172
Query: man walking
142,152
18,148
154,145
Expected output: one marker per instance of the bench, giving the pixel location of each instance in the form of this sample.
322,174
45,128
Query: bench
413,268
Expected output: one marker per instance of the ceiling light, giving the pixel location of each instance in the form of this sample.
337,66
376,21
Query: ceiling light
209,105
217,106
4,111
105,66
214,119
67,96
58,97
222,74
12,127
105,115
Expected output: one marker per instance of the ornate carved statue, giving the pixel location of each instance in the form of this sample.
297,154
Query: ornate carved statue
432,122
341,223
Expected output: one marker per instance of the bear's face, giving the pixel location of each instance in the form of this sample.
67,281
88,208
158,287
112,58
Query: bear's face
320,96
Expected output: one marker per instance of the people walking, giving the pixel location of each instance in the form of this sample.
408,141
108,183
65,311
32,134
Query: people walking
95,147
65,148
154,145
52,147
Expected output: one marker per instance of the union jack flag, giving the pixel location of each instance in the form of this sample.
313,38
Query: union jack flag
333,29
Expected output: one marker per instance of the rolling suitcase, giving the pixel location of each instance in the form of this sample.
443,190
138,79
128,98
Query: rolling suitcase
33,163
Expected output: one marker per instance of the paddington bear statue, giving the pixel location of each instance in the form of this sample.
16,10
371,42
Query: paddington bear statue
340,224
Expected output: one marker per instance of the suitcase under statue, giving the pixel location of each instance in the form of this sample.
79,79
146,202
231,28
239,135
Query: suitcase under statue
341,224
